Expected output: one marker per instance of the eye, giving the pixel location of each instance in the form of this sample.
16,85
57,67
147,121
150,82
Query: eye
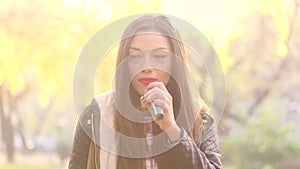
135,56
159,56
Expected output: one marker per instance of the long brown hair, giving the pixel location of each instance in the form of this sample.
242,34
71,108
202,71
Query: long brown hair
178,86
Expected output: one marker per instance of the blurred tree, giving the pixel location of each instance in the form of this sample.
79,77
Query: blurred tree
262,81
40,43
261,145
6,130
257,59
257,43
38,58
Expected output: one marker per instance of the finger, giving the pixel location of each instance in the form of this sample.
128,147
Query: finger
144,103
160,102
160,85
154,93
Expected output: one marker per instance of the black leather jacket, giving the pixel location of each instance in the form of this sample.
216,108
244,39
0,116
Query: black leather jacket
185,155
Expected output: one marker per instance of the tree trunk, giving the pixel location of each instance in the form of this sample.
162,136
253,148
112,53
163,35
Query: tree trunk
7,132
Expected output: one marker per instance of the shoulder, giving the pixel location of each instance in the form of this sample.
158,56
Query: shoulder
95,107
101,103
99,109
104,99
105,95
105,102
208,121
209,128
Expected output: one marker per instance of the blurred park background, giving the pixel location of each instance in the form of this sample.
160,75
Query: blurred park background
257,42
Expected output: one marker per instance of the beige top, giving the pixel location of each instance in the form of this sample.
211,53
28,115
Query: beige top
105,103
107,159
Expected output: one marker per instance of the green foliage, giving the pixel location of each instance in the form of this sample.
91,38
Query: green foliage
262,142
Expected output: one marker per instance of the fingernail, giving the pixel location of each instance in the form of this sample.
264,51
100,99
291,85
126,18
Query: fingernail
145,100
142,97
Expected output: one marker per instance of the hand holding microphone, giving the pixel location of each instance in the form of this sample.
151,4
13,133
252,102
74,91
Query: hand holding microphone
157,111
159,101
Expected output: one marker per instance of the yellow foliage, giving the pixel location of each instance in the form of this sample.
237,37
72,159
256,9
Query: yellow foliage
279,11
221,46
105,72
43,99
49,43
1,78
281,50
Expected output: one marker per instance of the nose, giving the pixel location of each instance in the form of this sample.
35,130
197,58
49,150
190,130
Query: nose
147,64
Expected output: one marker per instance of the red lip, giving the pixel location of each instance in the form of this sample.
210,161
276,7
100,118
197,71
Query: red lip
147,81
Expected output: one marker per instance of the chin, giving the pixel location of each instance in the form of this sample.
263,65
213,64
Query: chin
141,91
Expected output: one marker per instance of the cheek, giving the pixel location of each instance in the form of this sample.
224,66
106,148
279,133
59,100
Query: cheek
132,69
136,86
165,77
165,72
168,66
168,70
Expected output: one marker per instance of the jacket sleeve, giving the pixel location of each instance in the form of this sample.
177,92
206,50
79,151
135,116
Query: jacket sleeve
187,155
82,138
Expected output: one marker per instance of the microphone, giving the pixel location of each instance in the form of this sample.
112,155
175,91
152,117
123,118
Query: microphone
157,111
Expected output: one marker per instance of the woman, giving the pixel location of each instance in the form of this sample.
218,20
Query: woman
151,74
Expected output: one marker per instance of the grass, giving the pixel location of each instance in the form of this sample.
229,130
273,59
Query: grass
36,160
20,166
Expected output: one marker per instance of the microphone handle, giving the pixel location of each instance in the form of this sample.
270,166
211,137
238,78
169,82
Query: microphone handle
157,110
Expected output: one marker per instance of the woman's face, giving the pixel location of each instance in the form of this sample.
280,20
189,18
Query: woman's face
149,60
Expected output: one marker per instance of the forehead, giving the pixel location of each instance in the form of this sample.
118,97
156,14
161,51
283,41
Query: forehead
150,41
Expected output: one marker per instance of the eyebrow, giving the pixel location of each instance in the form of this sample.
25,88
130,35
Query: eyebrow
138,49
